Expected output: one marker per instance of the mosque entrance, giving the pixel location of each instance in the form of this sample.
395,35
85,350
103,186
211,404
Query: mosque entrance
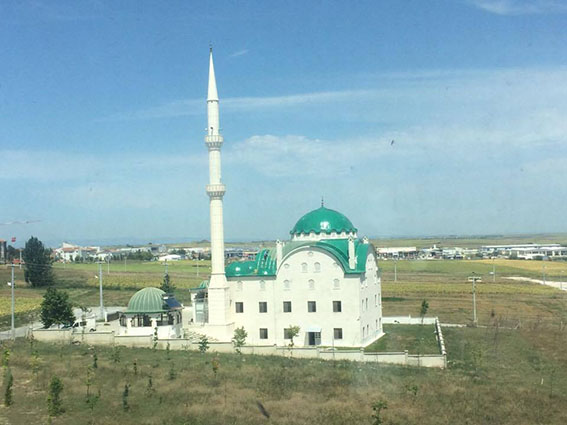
314,338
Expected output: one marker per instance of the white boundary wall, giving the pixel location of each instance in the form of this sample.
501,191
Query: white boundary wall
109,338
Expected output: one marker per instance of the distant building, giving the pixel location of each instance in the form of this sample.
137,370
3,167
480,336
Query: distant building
406,252
525,251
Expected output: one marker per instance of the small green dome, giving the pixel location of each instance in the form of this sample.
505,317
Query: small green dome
147,300
323,220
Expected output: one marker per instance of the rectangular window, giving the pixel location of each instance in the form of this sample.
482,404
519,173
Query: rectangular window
263,306
311,306
337,307
338,333
287,333
239,307
263,333
287,306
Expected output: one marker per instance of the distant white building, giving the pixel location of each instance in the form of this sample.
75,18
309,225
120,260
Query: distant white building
400,252
526,251
69,252
171,257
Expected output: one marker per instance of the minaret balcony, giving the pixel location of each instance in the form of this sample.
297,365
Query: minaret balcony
214,141
216,190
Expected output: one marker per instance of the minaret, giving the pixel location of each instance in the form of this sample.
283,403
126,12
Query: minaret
218,287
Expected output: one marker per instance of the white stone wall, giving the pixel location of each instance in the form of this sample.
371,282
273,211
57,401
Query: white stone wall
310,274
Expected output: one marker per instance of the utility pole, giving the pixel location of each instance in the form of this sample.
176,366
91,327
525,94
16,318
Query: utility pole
100,287
13,284
474,279
493,271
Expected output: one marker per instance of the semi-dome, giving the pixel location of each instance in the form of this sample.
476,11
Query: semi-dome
323,220
147,300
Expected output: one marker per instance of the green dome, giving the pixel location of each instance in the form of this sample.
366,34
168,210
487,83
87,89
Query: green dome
147,300
323,220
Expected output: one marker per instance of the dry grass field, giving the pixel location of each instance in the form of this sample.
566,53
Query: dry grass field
495,376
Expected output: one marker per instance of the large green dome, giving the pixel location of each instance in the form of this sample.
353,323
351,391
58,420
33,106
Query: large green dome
323,220
147,300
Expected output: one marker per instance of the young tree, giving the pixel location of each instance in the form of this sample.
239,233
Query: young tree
203,344
292,333
166,285
239,339
54,403
377,415
9,382
56,308
37,259
125,395
423,310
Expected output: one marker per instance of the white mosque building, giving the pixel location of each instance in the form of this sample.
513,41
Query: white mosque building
324,280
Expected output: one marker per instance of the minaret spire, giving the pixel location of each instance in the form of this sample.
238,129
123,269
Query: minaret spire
218,287
212,93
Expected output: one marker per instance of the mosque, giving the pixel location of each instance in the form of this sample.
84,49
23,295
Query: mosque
324,280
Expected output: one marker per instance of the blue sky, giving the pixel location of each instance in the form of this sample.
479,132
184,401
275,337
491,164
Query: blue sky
102,116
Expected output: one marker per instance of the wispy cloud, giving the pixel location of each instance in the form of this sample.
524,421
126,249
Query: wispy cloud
521,7
238,53
186,107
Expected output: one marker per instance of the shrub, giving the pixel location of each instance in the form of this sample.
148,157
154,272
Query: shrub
203,344
54,403
56,309
9,382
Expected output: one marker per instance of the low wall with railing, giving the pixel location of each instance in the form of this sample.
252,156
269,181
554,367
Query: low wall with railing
408,320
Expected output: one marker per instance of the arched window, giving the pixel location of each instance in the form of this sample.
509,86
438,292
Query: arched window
303,267
262,285
311,284
317,267
286,285
336,284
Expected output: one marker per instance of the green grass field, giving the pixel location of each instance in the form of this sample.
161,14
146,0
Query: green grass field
512,371
442,282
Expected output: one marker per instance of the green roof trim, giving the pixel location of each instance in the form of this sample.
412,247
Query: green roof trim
147,300
323,220
265,262
203,285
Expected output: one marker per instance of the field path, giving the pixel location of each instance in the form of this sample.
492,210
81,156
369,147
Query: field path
557,285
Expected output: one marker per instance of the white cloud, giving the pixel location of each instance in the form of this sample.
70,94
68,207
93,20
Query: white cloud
521,7
238,53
